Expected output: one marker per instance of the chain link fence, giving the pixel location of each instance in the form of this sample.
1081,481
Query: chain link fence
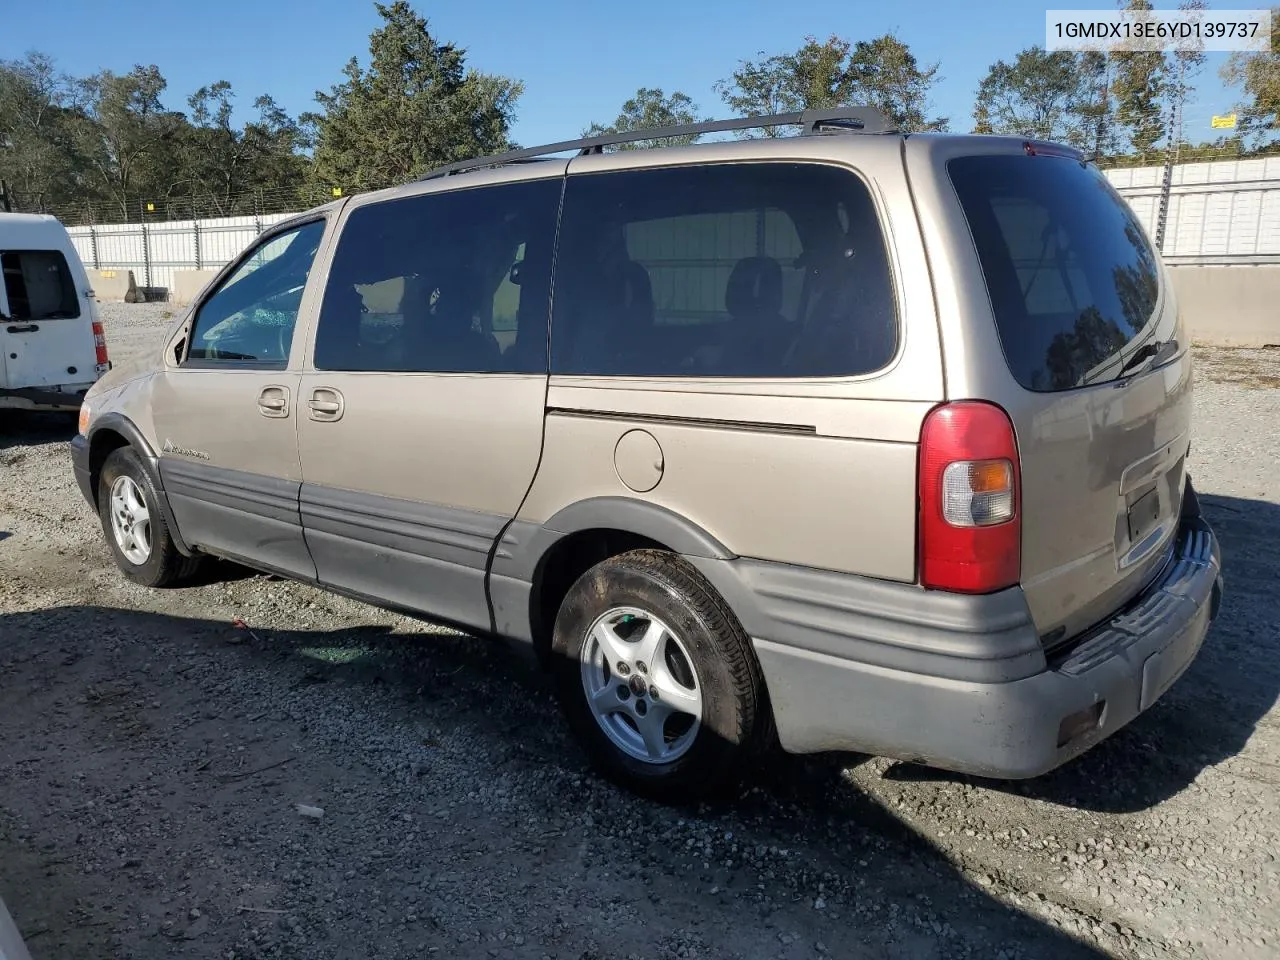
164,209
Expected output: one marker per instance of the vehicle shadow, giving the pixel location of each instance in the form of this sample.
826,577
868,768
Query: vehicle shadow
486,692
1209,714
30,428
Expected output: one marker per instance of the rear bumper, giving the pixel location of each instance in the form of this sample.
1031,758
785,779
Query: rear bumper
68,397
823,701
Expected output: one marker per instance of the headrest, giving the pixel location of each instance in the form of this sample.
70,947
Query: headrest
343,298
755,287
636,287
461,292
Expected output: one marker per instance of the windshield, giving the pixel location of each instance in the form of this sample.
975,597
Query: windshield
1071,275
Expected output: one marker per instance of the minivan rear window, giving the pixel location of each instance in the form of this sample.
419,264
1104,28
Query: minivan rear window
38,285
1071,275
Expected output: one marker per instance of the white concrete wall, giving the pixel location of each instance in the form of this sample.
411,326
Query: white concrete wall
187,285
110,284
1230,306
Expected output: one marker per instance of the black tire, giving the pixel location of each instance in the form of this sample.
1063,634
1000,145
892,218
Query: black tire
165,566
732,725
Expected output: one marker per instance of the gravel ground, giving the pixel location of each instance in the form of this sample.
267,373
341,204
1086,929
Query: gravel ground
152,757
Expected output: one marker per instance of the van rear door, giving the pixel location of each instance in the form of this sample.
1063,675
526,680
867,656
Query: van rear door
47,328
1101,391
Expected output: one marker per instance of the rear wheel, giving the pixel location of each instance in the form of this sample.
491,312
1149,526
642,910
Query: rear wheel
657,678
136,532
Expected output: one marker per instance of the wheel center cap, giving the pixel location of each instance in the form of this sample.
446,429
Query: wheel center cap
637,685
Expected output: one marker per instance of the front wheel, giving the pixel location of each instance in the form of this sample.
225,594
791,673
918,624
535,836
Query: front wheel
657,678
136,532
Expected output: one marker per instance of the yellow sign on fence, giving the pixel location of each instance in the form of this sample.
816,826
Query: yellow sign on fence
1227,122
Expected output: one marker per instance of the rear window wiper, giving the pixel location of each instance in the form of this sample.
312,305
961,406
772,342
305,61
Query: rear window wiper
1153,351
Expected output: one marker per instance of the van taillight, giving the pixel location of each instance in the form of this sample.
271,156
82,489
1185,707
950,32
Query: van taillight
970,493
100,346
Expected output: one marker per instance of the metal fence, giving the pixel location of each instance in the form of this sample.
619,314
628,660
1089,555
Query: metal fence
153,251
1223,212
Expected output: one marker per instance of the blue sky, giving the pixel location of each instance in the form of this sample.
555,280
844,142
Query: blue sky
579,59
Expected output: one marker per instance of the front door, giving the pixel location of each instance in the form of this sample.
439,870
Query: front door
225,415
420,413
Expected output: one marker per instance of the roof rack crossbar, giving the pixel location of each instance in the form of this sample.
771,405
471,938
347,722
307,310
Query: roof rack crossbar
848,119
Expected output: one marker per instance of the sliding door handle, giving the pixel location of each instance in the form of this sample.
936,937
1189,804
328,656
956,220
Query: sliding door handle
326,404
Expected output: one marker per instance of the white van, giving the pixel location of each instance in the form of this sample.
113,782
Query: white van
51,344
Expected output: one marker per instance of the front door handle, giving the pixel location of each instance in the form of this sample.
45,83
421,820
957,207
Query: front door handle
273,401
326,404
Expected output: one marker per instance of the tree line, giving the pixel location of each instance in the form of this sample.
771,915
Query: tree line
106,146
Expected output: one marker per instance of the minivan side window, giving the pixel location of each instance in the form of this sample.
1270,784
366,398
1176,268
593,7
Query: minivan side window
455,282
734,270
39,285
250,317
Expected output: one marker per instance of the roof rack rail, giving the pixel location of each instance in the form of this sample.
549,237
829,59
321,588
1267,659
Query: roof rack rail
847,119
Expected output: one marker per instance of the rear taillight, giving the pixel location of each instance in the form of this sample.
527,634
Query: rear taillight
970,514
100,347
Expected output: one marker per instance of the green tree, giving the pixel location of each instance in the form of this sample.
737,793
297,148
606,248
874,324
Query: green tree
278,142
224,164
820,74
809,78
1096,109
1139,85
885,74
217,159
40,116
650,107
1041,94
881,73
416,107
1186,64
133,143
1257,75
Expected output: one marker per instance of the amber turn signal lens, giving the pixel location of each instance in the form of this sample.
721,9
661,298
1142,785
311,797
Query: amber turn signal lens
84,418
991,476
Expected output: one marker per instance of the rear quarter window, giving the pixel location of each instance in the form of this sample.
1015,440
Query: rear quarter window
38,285
1071,275
750,270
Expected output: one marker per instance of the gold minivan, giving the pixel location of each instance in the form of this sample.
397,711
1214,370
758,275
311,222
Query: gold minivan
848,441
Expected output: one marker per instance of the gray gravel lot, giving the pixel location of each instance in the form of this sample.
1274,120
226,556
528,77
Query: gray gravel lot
151,757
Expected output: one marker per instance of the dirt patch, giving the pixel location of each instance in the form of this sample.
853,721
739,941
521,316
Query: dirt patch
1257,369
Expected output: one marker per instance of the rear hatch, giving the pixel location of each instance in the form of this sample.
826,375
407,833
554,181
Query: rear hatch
46,330
1101,375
